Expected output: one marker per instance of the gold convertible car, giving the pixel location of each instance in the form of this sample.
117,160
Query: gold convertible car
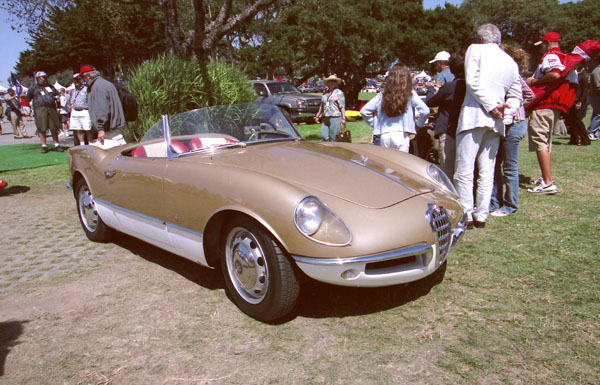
236,187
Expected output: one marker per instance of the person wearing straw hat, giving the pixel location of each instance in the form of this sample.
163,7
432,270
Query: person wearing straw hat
333,109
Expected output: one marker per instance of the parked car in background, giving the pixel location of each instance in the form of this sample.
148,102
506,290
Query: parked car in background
299,107
237,188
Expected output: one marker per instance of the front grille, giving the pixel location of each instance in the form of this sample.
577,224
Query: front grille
440,224
313,102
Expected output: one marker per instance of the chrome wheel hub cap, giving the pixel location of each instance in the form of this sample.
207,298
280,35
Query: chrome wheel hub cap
87,210
246,265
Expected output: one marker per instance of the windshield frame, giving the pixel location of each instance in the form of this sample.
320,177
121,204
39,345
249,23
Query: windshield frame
295,136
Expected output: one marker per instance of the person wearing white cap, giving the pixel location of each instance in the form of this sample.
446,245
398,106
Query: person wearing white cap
441,62
44,98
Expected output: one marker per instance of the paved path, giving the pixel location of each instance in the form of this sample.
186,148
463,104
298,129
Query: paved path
7,136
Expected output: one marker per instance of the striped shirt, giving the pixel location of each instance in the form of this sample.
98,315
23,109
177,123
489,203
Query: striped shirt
79,99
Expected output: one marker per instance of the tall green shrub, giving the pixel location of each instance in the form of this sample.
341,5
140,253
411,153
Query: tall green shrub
170,85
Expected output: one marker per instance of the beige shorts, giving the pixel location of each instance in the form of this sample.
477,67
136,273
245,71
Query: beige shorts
541,125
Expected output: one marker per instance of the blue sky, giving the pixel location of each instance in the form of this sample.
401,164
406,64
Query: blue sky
13,43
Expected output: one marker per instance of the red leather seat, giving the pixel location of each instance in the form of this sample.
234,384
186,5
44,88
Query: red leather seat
179,147
139,152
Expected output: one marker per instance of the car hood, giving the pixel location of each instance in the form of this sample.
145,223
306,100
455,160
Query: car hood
341,172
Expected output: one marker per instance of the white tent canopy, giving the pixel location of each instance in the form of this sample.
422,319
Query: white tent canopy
58,86
3,89
71,87
422,75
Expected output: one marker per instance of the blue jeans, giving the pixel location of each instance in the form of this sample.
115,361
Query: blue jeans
506,163
330,128
595,123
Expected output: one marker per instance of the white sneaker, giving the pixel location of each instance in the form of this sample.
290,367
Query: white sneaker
61,134
538,181
498,213
544,189
592,137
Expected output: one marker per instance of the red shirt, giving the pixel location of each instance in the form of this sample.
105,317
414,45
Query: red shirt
564,90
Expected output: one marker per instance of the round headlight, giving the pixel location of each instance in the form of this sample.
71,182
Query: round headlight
441,178
309,215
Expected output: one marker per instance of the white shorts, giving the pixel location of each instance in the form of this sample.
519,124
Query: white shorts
399,140
80,120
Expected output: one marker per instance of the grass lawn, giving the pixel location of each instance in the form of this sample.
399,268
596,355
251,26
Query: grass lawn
519,303
28,155
361,131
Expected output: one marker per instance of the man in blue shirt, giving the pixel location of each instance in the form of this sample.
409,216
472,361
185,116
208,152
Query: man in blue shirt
442,67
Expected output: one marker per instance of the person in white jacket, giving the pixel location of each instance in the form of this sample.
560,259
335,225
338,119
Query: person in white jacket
492,81
392,112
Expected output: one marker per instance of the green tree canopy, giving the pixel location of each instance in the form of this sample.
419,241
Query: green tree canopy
98,32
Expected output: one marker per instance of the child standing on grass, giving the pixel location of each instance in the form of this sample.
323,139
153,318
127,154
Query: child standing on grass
391,113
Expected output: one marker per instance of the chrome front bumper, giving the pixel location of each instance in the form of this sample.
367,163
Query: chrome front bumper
383,269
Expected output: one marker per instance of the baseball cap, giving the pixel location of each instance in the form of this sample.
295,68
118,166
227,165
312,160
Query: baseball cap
76,76
550,36
41,74
86,68
441,56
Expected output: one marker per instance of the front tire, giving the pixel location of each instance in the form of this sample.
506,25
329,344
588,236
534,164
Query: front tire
93,226
258,277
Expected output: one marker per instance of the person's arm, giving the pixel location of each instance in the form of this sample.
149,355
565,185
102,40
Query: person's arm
548,78
421,108
369,110
596,77
434,100
29,95
318,113
473,79
342,105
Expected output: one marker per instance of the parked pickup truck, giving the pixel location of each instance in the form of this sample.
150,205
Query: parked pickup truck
300,107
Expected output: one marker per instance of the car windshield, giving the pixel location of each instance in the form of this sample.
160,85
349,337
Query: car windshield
235,125
282,88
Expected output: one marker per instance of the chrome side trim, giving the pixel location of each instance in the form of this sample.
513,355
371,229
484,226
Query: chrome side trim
385,256
107,203
148,217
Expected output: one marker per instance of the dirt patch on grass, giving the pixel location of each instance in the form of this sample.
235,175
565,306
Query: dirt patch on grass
518,303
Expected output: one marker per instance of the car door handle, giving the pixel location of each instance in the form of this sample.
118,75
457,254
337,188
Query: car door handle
109,173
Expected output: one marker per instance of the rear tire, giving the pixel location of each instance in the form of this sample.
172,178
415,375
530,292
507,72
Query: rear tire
92,224
258,277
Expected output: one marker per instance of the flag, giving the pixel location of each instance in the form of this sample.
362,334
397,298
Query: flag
582,52
16,83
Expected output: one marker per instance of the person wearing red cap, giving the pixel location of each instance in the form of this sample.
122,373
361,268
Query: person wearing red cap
547,112
106,111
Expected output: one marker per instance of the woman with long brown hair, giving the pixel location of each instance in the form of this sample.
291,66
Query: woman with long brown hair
392,112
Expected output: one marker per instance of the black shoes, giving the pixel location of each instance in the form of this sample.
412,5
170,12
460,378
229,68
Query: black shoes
478,224
44,150
59,149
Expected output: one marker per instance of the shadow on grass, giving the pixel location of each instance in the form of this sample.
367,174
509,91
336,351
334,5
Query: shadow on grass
313,137
9,334
208,278
321,300
14,190
524,181
316,300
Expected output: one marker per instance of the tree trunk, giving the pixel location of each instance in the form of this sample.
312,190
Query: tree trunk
172,38
352,91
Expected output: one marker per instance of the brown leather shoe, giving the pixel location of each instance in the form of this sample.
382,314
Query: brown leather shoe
479,224
470,225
